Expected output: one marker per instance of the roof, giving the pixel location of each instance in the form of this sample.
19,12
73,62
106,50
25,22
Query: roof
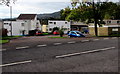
26,16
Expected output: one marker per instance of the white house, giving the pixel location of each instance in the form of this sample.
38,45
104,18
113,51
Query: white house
60,24
23,24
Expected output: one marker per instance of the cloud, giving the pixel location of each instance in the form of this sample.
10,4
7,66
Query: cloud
34,6
30,7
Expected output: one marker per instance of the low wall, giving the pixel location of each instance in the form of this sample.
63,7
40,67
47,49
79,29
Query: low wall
102,31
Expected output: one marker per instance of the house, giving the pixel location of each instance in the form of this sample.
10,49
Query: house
1,26
23,24
44,28
80,26
65,25
110,27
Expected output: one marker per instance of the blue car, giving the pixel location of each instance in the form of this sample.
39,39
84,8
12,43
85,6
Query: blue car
75,34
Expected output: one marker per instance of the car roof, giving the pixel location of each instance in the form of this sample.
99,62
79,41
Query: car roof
74,31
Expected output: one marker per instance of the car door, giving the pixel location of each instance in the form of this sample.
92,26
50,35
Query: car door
73,34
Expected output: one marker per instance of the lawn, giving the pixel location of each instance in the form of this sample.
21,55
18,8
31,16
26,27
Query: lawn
4,41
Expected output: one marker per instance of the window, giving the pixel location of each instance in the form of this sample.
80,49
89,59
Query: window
118,22
65,22
22,24
37,23
114,29
73,33
50,29
50,22
108,21
6,23
64,28
54,22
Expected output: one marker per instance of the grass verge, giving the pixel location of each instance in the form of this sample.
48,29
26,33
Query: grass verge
57,37
9,37
4,41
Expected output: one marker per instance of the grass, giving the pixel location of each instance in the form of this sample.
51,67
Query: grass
4,41
57,37
9,37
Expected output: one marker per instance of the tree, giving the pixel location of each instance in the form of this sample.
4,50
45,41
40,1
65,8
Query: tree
7,2
65,13
61,32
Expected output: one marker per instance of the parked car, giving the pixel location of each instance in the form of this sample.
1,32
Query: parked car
39,33
56,33
75,34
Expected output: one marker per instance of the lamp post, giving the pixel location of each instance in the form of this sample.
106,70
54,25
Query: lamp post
11,20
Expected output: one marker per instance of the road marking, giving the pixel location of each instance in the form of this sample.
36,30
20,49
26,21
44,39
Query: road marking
96,39
114,37
73,54
22,47
57,43
71,42
10,64
41,45
106,38
3,49
85,40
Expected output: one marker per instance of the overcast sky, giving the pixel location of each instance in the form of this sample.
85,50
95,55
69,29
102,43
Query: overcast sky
34,7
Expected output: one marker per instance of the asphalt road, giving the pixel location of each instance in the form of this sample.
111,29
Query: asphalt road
100,55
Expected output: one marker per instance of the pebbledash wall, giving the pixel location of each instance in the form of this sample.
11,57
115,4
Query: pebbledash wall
60,24
105,30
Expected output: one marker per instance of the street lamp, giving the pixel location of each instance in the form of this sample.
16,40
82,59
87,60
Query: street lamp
11,20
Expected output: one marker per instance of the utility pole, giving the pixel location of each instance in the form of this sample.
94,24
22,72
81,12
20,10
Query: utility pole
11,19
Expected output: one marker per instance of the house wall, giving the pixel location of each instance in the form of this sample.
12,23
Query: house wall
1,25
35,24
59,24
16,27
112,22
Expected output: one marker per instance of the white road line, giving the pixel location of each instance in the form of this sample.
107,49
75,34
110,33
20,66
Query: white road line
57,43
106,38
22,47
113,37
73,54
3,49
41,45
10,64
96,39
85,40
71,42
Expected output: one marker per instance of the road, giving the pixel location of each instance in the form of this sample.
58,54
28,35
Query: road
96,55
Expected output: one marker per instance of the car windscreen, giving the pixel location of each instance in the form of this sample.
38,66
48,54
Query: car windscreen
78,32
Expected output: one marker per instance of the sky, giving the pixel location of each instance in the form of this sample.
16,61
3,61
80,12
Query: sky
33,7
